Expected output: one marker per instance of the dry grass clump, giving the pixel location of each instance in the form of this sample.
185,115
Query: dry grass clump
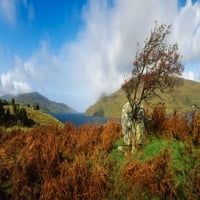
179,126
77,180
195,132
151,179
58,162
158,119
109,136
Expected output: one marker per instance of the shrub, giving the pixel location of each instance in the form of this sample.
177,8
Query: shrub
57,162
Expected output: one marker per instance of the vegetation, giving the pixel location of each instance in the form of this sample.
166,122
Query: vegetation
155,68
18,116
13,115
40,118
185,96
66,162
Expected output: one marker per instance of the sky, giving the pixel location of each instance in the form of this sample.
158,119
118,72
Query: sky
73,51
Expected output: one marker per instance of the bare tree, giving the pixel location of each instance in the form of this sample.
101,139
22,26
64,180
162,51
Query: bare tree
155,69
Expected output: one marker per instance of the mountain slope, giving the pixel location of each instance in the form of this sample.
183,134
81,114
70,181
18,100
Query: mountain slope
41,118
45,104
186,95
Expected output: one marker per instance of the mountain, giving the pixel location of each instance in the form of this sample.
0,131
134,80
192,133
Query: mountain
7,97
44,103
186,95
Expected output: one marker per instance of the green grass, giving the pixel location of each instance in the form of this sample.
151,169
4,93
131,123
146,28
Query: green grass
153,149
117,155
178,150
9,129
39,117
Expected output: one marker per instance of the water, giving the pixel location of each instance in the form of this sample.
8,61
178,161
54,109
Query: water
78,119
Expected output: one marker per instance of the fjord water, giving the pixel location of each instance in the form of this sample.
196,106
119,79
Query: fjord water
79,119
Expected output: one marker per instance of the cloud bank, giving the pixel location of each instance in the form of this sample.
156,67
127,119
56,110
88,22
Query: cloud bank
102,55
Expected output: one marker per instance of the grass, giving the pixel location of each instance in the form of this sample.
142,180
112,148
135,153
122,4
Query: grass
117,155
39,117
9,129
154,148
178,150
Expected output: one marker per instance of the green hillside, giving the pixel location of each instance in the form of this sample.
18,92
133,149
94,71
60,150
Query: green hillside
186,95
40,118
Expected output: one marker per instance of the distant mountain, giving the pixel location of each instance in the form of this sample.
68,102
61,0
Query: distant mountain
186,97
44,103
7,97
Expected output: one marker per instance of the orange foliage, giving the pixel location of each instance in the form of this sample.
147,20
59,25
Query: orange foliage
74,163
196,128
158,119
76,180
150,179
109,136
58,162
178,126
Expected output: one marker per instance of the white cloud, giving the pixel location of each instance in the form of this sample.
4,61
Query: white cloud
10,10
16,81
187,31
192,71
187,35
104,50
10,86
189,75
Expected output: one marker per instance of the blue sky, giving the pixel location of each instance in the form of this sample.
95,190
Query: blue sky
34,21
72,51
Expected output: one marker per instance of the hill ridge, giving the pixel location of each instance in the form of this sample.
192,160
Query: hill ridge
186,95
44,103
